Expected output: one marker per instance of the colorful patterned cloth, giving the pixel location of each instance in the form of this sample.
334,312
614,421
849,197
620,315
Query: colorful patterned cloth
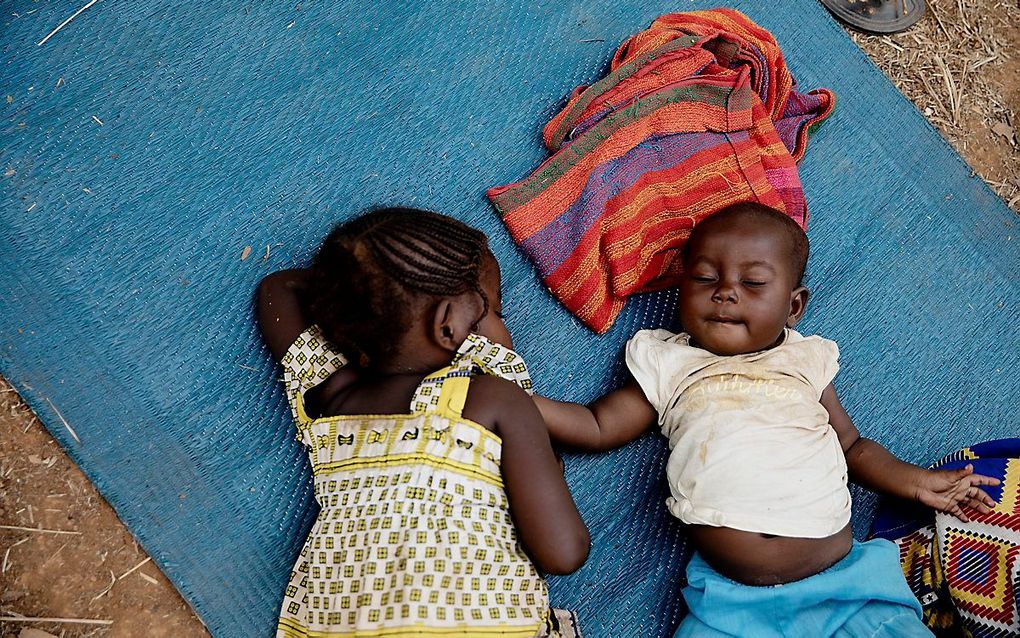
414,535
966,575
697,113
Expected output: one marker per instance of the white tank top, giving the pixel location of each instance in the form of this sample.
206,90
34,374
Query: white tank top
751,445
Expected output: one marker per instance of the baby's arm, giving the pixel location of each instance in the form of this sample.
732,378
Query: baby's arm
281,317
614,420
875,468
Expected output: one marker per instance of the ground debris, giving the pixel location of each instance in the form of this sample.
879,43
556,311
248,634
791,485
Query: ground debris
31,632
960,68
1005,130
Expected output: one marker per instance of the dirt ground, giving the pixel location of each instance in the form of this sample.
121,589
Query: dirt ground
92,574
961,67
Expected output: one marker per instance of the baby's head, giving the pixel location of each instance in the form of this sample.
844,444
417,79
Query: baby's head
394,280
741,282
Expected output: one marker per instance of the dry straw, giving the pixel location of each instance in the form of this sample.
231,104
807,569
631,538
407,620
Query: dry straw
953,65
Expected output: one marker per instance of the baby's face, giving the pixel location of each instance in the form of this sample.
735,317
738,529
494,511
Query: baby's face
737,288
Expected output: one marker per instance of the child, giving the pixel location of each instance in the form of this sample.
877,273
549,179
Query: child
440,494
760,447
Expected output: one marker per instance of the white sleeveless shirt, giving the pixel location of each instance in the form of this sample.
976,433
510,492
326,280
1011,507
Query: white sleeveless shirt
751,445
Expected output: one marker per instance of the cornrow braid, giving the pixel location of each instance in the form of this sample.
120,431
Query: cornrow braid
370,271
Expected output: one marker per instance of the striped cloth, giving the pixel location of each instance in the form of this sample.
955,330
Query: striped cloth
698,112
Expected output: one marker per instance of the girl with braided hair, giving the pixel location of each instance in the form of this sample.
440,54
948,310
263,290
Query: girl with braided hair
441,498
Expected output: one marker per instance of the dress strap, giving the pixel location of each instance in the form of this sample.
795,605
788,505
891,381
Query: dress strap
445,391
309,361
453,395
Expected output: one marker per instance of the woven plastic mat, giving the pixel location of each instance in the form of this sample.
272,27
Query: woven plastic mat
147,144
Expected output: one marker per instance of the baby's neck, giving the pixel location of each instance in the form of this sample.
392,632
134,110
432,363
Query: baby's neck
693,342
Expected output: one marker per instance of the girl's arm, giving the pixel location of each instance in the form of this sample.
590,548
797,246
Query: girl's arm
281,316
614,420
875,468
548,524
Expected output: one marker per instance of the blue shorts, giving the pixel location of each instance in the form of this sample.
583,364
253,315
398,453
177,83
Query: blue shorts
862,596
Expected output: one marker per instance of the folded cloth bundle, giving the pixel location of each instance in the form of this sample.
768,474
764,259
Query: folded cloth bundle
698,112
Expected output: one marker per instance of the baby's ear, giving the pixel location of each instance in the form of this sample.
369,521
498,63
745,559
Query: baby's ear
798,304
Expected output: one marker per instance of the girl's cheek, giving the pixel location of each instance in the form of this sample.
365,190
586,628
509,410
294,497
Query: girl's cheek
503,336
495,330
509,342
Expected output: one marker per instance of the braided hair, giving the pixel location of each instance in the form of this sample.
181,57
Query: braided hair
374,271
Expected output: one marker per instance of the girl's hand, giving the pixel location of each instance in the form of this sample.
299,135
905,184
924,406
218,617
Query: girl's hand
951,491
280,310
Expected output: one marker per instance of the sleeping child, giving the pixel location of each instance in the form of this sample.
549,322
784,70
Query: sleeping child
761,448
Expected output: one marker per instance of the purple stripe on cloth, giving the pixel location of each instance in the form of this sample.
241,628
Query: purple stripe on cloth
800,109
764,79
786,181
789,128
556,241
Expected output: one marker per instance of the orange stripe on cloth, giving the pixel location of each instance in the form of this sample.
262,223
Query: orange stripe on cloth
543,208
674,61
606,215
735,23
706,175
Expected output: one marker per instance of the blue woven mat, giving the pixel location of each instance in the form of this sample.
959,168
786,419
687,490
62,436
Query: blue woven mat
148,143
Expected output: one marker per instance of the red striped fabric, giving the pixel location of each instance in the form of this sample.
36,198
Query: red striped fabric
698,112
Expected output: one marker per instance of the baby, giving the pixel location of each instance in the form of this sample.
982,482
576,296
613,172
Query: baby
761,447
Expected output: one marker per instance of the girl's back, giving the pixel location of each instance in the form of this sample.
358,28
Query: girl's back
415,527
424,457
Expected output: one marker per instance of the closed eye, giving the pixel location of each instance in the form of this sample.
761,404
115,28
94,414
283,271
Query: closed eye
751,283
702,279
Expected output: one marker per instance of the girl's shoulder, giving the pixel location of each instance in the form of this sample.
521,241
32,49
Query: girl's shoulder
325,398
492,400
310,368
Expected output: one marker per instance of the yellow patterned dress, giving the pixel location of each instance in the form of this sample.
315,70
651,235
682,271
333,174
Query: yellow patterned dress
414,536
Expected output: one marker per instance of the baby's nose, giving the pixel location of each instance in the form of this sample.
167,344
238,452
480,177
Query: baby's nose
724,293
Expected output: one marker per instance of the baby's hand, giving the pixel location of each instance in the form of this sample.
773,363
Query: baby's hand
952,490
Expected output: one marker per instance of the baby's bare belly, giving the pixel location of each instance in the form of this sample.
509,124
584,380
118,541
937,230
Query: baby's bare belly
758,559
